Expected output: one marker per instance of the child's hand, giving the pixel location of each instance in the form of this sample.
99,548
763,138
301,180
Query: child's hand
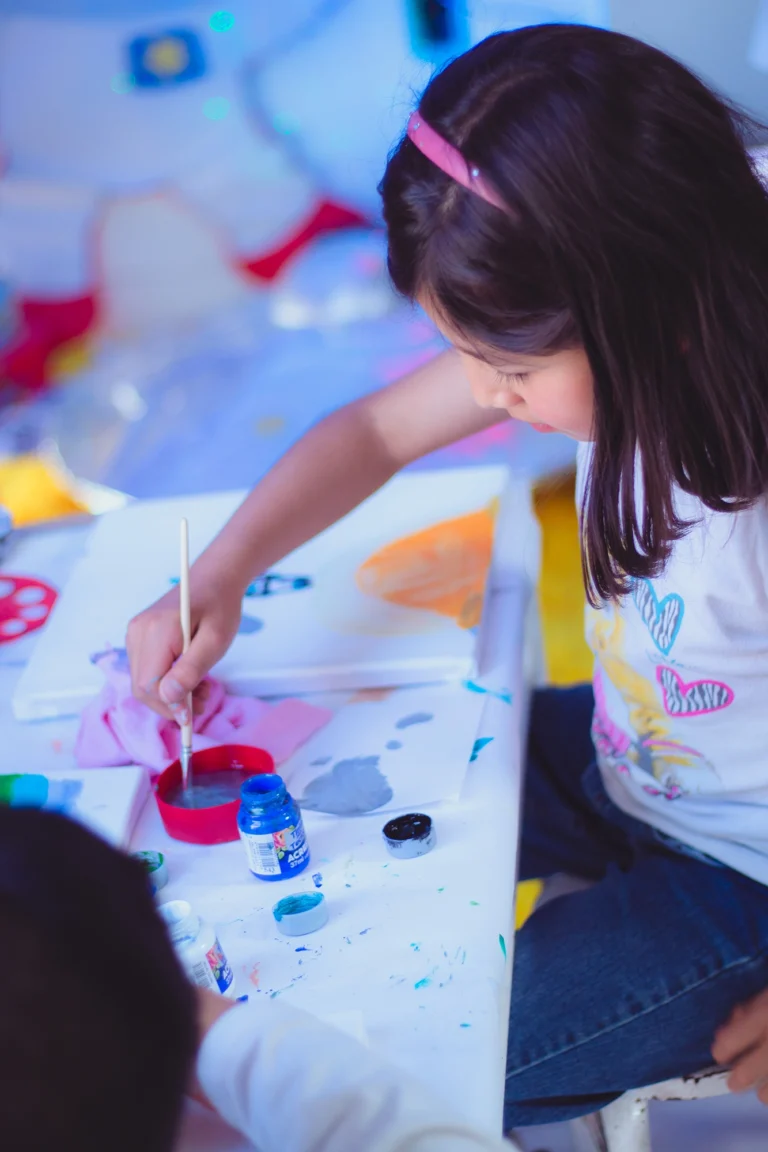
160,675
743,1042
210,1006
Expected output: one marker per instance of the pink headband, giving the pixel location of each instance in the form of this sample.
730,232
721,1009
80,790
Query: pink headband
448,159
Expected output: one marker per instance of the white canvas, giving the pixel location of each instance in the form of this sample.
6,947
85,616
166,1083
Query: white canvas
329,635
110,801
408,748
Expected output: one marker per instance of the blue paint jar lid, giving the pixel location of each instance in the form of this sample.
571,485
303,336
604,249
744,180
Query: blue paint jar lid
409,836
301,914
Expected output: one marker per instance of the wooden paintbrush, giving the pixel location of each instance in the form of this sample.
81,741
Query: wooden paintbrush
186,631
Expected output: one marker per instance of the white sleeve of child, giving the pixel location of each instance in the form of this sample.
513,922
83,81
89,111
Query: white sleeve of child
291,1083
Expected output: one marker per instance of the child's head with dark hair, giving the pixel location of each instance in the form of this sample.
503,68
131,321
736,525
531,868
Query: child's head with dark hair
97,1029
623,287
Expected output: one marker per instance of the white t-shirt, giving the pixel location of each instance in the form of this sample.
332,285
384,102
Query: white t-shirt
681,688
291,1083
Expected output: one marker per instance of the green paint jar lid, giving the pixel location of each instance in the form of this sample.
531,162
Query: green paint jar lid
156,868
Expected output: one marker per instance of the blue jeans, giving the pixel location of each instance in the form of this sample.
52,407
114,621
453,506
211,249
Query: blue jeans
622,984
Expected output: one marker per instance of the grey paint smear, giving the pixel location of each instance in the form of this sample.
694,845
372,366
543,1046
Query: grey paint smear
414,718
393,744
321,761
351,787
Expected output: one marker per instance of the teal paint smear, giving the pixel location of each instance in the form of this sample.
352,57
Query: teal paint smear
472,686
503,946
290,905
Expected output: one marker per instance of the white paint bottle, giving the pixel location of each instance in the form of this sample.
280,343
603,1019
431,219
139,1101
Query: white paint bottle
198,948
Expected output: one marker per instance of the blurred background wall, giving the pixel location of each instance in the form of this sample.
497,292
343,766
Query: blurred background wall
192,269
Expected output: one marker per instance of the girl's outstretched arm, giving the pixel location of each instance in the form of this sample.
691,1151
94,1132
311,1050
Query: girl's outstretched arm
335,466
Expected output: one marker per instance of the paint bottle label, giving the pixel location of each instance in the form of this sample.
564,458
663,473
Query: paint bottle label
276,853
212,970
219,965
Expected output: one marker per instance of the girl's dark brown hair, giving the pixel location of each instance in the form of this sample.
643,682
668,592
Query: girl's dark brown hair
637,229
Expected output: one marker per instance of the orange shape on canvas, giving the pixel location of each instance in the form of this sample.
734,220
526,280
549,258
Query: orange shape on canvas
442,568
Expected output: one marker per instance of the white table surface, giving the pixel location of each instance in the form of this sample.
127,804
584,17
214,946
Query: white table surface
415,946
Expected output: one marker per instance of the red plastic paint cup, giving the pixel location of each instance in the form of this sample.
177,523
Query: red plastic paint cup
216,825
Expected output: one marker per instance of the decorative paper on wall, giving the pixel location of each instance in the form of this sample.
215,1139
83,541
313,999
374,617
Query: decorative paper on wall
391,595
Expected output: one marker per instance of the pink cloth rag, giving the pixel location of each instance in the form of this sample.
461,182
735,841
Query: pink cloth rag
117,729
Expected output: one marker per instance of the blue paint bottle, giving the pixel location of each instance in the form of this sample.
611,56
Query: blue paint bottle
271,829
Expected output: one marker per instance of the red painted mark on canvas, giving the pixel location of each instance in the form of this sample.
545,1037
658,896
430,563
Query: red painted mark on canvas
25,605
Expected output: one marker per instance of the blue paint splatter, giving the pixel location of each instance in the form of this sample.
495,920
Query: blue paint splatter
504,696
416,947
365,931
302,949
426,980
393,744
465,1025
478,746
317,879
274,584
414,718
118,657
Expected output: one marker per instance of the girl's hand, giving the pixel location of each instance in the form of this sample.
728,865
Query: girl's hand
210,1006
161,676
743,1042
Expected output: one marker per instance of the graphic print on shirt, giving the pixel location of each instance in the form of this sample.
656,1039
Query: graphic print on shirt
694,699
646,750
662,618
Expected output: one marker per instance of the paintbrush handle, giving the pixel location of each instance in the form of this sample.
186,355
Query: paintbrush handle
185,610
186,619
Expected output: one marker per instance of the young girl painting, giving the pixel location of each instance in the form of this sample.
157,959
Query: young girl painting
580,217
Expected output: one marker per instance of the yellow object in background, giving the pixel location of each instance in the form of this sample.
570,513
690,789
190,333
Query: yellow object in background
528,892
31,491
561,606
561,587
70,358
